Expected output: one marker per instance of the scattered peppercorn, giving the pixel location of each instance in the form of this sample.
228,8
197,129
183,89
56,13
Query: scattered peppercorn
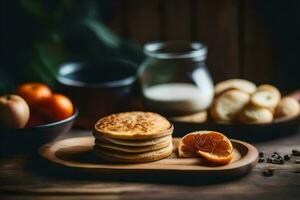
276,159
286,157
261,154
295,152
269,172
270,160
275,156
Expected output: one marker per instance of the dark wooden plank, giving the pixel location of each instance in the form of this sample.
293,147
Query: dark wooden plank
216,25
177,20
284,181
276,195
256,47
143,20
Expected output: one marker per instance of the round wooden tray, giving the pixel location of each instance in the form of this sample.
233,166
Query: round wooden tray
78,153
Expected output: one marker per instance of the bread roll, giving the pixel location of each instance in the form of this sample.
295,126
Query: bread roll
228,105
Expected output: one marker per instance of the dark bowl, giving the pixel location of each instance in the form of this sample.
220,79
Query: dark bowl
247,132
28,140
98,89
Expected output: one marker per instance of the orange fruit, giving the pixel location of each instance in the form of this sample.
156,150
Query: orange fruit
210,145
32,93
56,107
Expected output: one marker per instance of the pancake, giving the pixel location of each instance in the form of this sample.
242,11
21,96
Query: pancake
134,158
133,126
132,143
124,149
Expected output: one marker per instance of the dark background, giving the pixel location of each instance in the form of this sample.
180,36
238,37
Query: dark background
252,39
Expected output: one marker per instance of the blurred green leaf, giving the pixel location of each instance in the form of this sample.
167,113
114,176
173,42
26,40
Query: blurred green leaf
103,33
47,56
66,30
50,12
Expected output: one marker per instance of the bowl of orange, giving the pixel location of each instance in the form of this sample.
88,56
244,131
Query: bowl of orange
33,116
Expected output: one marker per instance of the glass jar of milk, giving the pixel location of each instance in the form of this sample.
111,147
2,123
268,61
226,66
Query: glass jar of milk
174,78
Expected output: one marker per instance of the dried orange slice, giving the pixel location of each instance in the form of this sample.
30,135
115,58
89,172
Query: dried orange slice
210,145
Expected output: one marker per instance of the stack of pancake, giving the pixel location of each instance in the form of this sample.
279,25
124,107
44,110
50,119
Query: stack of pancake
133,137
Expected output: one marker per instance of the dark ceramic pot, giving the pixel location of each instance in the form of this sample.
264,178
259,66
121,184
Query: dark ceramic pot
98,89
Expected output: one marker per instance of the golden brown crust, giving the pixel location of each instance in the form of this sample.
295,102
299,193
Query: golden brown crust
133,125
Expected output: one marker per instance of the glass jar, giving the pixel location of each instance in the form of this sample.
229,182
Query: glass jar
174,79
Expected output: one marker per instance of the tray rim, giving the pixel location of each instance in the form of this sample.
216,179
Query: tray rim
247,162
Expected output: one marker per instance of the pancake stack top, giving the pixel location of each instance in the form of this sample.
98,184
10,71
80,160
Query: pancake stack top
133,137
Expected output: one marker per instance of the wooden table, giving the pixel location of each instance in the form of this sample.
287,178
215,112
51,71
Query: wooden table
34,178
